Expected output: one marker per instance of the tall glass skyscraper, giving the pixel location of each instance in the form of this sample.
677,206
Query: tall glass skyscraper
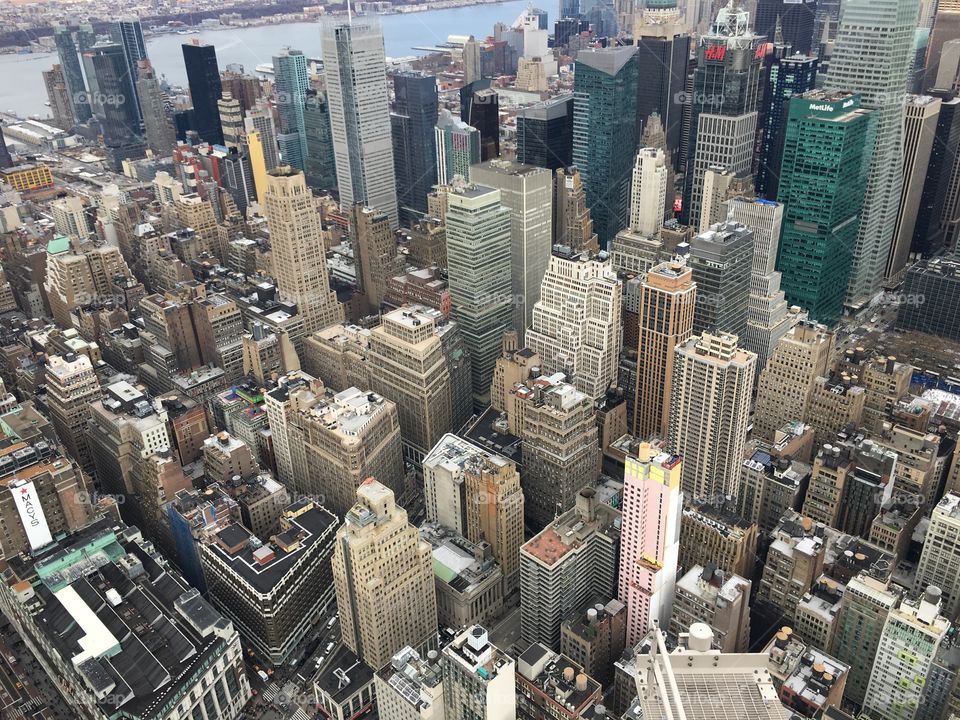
70,62
290,85
203,76
354,63
319,166
605,133
723,110
872,56
795,17
664,53
414,145
789,76
128,33
826,156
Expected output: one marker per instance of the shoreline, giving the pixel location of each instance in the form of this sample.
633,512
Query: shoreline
281,19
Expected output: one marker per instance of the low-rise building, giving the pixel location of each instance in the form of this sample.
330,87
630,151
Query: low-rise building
706,594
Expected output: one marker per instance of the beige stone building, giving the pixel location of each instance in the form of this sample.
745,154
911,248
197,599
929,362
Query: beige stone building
786,383
383,575
710,412
298,250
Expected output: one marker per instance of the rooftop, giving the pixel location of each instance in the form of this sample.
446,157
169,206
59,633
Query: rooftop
263,564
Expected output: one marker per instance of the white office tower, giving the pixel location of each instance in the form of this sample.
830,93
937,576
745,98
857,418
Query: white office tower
872,55
768,316
710,412
576,322
479,679
478,261
527,191
648,191
636,248
940,558
696,682
355,69
910,640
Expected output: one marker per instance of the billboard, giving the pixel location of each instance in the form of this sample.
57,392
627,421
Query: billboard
31,515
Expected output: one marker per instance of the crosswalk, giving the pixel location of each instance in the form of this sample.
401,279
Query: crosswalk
271,691
300,714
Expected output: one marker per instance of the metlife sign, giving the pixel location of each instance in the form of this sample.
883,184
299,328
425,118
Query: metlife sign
31,515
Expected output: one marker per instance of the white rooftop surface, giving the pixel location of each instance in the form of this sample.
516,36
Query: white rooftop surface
97,639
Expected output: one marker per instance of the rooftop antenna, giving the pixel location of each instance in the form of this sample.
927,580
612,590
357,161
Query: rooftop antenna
349,14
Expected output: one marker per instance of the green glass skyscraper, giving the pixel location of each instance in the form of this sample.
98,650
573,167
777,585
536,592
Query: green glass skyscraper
605,133
823,179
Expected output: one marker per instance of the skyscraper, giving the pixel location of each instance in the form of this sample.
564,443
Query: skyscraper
722,261
709,413
665,319
872,56
863,614
937,201
157,122
478,261
648,192
320,167
70,62
768,319
652,503
723,110
480,108
788,77
72,385
946,26
545,133
921,116
58,97
663,48
413,121
576,326
458,147
203,76
793,19
374,253
299,260
114,103
290,87
941,554
908,644
128,33
572,222
605,133
826,156
354,63
527,191
383,575
260,121
231,119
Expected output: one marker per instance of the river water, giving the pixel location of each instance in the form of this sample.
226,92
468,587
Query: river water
21,82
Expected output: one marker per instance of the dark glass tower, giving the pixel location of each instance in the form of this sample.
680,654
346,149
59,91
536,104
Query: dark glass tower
412,124
788,77
823,180
114,102
928,233
203,76
480,108
664,54
797,18
545,133
72,74
320,167
605,133
128,33
291,83
723,108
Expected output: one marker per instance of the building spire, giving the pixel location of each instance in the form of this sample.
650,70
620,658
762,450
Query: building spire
778,31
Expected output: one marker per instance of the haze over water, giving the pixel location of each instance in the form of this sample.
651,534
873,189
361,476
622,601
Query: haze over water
255,45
